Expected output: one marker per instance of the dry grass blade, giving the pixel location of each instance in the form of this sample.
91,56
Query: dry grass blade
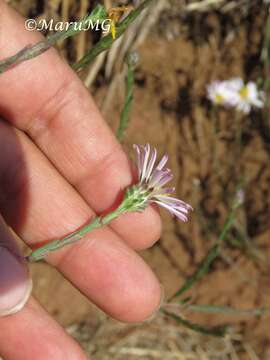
113,55
81,42
115,85
156,354
150,21
94,69
203,5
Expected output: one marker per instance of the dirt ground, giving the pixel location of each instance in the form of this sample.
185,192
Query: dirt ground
179,57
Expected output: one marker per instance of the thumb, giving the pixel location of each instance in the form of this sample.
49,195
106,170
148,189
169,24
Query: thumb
15,283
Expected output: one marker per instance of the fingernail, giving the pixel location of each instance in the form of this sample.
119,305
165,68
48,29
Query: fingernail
162,298
15,283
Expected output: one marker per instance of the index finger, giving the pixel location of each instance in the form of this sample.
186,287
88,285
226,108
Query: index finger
45,98
33,334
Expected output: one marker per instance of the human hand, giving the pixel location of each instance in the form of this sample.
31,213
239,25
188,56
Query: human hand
59,165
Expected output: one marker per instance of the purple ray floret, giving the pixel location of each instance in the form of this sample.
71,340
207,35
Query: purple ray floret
153,178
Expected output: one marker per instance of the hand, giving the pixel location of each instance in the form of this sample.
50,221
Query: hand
59,165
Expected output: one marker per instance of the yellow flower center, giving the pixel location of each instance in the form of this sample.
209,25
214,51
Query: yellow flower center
244,92
218,98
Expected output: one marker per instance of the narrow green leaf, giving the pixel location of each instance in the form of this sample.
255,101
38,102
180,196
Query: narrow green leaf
201,271
124,117
218,331
212,254
216,309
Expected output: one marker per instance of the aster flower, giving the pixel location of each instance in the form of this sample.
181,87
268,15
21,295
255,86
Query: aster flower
151,188
235,93
248,96
222,93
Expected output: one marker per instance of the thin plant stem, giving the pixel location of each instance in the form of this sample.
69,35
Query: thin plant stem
218,309
218,331
124,117
211,255
265,53
265,58
96,223
107,40
215,138
239,133
209,309
31,51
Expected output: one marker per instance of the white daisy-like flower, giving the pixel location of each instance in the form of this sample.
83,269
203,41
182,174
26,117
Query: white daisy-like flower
223,92
216,92
249,97
235,93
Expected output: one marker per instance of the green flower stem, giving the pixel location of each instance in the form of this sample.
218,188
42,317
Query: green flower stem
96,223
31,51
135,199
124,118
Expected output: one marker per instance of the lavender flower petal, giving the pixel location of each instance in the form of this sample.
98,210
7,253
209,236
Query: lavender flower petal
139,159
162,162
168,190
173,201
151,164
173,211
145,161
166,177
155,178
